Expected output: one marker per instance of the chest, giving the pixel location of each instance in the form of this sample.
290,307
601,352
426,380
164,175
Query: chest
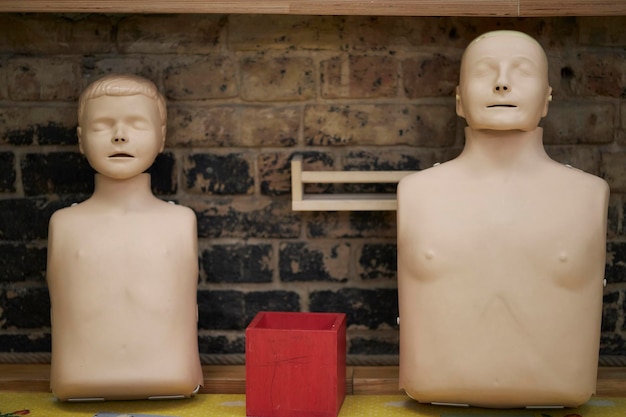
489,233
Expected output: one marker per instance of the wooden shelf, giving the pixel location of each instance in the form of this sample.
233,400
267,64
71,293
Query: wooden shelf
341,202
231,379
329,7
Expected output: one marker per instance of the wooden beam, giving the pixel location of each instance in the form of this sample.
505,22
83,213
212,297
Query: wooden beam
328,7
231,379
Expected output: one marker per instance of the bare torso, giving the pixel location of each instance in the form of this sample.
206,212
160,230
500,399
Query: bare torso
500,281
123,292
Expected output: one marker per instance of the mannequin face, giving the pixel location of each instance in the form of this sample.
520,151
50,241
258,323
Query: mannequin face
121,135
503,83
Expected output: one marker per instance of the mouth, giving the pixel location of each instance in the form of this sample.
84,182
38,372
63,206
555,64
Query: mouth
121,155
509,106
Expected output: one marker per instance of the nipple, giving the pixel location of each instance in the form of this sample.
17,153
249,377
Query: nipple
429,254
563,257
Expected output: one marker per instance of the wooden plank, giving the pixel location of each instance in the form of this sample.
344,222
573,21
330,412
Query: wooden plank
611,382
296,178
353,177
407,7
346,202
25,377
230,379
572,8
375,380
328,7
146,6
224,379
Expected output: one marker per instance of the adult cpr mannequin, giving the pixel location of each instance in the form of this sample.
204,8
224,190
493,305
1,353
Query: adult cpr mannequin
501,251
122,266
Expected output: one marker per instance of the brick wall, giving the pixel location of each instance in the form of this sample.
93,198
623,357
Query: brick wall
245,93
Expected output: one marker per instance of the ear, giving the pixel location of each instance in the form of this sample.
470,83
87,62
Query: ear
163,130
547,102
79,133
459,103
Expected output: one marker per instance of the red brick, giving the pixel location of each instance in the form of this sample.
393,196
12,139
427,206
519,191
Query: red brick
164,34
579,122
200,77
44,79
431,75
54,34
273,32
277,79
359,76
380,124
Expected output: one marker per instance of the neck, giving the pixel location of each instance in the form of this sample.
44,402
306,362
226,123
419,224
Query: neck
129,193
513,149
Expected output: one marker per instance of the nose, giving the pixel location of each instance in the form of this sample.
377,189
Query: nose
501,87
502,84
119,139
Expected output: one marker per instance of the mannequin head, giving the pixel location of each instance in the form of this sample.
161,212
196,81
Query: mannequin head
503,82
121,125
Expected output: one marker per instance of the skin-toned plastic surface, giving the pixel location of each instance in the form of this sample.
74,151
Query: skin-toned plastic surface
122,265
501,251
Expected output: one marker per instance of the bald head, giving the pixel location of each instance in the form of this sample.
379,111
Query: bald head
503,82
499,38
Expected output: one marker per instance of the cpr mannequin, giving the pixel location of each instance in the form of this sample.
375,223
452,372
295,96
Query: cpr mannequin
501,251
122,266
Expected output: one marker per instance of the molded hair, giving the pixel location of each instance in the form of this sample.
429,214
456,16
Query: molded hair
122,85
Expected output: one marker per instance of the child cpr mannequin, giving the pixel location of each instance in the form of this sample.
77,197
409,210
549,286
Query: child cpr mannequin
122,265
501,251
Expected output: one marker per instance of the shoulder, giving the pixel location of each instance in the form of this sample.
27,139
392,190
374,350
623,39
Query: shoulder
434,175
582,180
177,212
65,215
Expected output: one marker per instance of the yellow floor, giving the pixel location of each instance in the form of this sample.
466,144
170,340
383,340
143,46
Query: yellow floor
233,405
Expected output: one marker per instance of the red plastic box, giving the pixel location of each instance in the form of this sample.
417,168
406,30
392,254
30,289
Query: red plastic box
295,364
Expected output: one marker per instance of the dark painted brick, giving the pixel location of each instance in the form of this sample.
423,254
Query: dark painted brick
27,219
609,318
378,260
351,224
616,262
56,134
163,174
389,160
363,346
621,213
238,263
221,345
371,308
56,173
222,310
270,301
400,159
611,311
613,221
20,136
219,174
247,218
33,342
275,171
19,262
612,344
7,172
314,262
23,308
